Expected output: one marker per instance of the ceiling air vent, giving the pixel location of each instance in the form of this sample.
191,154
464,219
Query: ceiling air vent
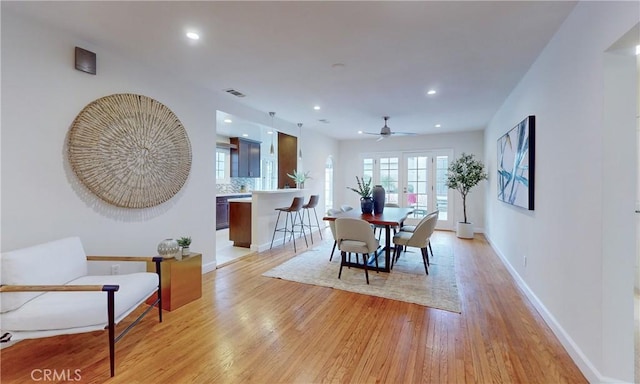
325,121
234,92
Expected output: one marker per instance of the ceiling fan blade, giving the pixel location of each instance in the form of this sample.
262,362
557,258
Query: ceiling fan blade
381,138
371,133
404,133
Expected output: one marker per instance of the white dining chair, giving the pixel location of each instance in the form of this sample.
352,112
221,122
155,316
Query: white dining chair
355,236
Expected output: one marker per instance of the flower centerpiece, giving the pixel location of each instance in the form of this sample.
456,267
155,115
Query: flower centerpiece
365,191
299,178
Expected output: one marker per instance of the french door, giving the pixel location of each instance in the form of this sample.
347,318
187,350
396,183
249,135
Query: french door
413,179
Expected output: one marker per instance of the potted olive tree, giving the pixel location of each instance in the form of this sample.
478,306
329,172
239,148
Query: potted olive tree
465,173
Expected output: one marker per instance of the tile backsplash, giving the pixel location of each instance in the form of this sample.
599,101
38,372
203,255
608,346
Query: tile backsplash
236,185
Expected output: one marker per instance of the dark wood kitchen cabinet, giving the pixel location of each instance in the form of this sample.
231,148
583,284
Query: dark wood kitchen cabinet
222,209
222,213
240,224
245,158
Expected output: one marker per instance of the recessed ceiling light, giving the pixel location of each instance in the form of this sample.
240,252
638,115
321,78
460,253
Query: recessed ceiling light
193,35
317,107
270,132
360,132
228,121
431,92
438,125
245,135
637,49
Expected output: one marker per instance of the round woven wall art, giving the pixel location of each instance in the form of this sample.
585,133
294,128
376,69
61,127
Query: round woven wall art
129,150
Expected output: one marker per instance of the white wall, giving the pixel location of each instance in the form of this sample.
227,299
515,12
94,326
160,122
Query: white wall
42,200
316,148
348,166
579,252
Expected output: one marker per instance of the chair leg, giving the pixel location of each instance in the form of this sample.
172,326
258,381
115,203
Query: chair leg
424,259
343,255
333,250
366,272
394,257
158,261
431,249
426,253
376,259
112,329
399,249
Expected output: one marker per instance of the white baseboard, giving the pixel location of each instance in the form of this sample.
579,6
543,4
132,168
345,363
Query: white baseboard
9,344
584,364
208,267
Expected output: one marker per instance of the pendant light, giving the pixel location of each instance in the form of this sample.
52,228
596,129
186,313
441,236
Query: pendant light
271,151
300,139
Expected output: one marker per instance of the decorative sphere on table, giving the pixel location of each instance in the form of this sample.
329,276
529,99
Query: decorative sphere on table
168,248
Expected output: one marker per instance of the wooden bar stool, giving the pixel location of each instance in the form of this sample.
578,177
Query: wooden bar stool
313,202
292,212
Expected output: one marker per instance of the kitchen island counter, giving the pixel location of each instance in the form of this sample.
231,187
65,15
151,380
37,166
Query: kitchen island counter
263,215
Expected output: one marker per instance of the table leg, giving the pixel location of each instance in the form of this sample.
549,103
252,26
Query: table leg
387,251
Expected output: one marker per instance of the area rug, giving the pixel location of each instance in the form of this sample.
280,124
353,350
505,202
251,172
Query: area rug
407,280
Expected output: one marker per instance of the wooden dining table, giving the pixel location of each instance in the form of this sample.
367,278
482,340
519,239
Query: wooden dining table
389,218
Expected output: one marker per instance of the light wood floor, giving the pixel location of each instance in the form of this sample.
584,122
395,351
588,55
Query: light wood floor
252,329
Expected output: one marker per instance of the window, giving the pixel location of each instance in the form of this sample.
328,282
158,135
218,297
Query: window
389,178
412,179
222,166
328,184
442,192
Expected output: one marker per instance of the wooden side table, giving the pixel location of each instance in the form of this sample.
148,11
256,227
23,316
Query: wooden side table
181,281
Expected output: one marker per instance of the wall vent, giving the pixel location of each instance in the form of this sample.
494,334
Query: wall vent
234,92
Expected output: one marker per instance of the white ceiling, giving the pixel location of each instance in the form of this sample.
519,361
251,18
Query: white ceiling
282,54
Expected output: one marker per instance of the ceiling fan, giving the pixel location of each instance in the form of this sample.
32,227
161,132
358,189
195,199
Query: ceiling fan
386,131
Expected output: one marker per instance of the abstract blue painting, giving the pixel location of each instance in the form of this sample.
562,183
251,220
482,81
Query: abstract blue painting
516,161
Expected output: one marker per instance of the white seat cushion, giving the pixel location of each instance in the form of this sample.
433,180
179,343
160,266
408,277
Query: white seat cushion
402,237
65,310
354,246
408,228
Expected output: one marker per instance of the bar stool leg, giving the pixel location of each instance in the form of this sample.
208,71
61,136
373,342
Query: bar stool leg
275,229
309,220
317,223
293,226
302,228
